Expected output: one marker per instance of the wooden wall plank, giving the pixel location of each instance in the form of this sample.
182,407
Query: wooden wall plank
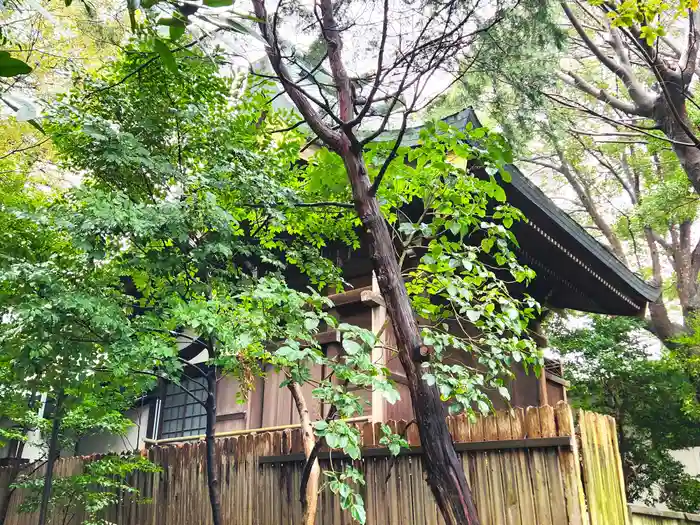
508,461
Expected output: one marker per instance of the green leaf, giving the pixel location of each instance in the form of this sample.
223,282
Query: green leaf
310,323
487,244
218,3
12,67
332,440
165,55
429,378
499,194
176,32
171,22
391,395
358,513
512,313
351,347
353,451
445,391
473,315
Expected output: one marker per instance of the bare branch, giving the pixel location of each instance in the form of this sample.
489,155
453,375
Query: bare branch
325,133
575,105
642,99
577,81
688,60
380,62
334,44
544,164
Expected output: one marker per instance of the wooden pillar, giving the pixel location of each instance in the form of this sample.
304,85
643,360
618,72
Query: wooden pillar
379,318
542,397
541,342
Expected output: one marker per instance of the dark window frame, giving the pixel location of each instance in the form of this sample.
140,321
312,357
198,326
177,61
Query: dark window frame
190,413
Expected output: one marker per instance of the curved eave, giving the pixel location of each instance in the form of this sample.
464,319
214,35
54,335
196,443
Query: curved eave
596,260
574,269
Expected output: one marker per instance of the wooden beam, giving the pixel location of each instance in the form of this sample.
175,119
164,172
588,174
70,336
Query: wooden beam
640,510
200,437
475,446
329,336
230,417
372,298
349,297
399,378
557,379
542,384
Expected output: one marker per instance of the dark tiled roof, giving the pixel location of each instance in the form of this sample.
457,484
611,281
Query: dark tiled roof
589,261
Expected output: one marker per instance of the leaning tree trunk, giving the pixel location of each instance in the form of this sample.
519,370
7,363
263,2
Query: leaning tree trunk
445,474
310,495
212,465
444,470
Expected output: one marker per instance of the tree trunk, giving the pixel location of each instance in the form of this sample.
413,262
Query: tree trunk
662,326
622,447
600,222
445,474
212,463
51,460
310,500
688,154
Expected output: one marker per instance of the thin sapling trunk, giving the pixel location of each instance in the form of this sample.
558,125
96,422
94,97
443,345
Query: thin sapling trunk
310,496
51,460
212,477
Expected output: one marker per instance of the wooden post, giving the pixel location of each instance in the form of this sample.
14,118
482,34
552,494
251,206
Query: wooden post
542,390
541,342
379,318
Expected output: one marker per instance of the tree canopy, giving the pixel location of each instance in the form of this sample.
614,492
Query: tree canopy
161,184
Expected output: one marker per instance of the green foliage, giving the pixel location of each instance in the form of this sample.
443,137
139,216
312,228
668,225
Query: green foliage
338,434
12,67
651,17
185,217
188,215
101,485
345,484
510,69
614,370
394,442
453,283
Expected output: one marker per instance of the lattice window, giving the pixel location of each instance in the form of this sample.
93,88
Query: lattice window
183,415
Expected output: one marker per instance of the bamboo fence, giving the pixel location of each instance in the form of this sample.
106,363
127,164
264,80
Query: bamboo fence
645,516
524,467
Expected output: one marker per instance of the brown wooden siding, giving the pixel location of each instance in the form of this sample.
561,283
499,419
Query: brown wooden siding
269,405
